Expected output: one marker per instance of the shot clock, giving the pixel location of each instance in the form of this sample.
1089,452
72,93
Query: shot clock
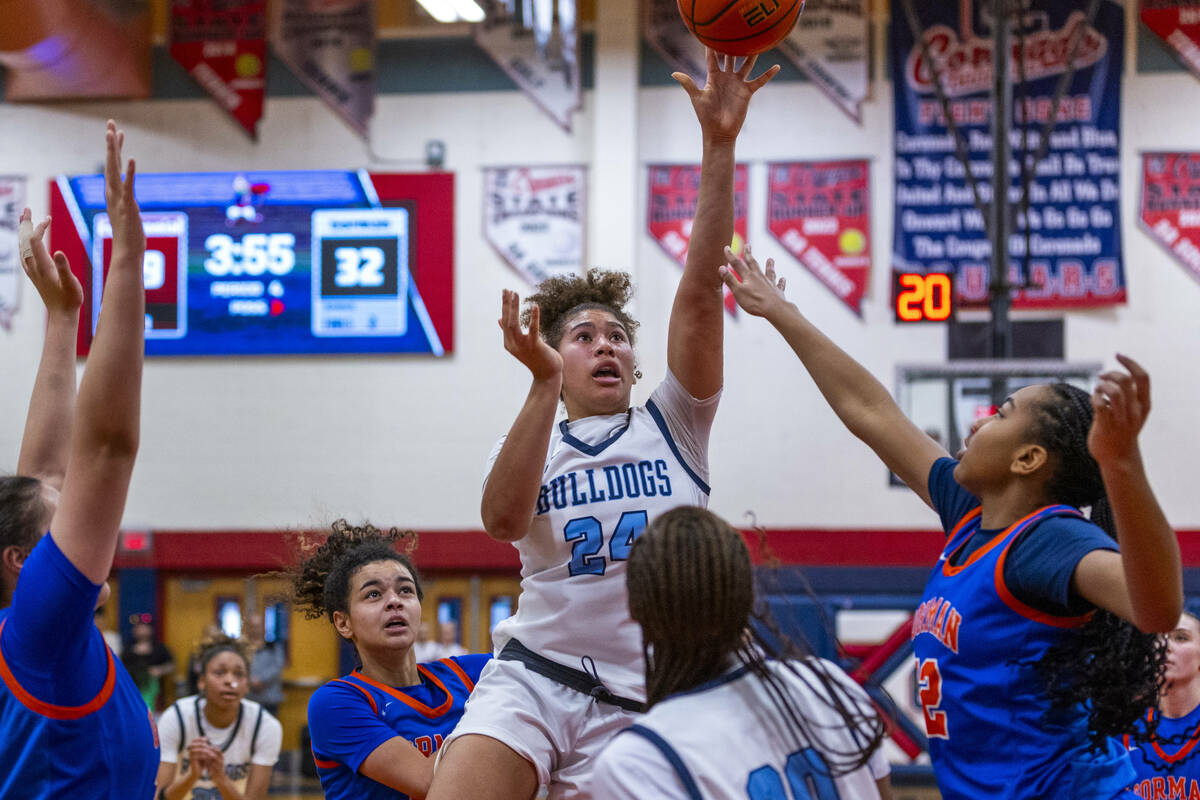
360,272
923,296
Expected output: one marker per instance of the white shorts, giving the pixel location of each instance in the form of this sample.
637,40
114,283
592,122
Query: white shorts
558,730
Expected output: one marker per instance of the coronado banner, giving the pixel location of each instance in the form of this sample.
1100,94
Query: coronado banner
330,46
818,210
223,45
1170,210
666,34
829,44
534,218
671,207
1177,23
12,201
544,65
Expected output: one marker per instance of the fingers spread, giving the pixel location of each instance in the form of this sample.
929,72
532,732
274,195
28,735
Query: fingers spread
763,79
710,58
686,82
747,65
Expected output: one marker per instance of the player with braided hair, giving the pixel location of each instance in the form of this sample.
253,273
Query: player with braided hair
1026,582
218,744
573,497
374,731
783,716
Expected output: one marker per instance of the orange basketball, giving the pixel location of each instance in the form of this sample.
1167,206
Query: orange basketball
740,27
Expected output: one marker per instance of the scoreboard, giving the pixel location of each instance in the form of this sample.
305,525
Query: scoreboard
266,263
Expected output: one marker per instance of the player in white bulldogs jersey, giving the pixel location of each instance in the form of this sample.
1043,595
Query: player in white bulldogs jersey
566,676
724,721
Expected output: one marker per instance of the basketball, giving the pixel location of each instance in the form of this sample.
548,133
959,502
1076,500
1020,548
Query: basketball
740,27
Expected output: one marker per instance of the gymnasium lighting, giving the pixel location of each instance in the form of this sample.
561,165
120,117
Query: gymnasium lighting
453,10
469,10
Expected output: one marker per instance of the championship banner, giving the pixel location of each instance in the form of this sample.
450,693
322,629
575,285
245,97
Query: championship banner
671,207
1177,23
818,210
12,201
544,66
534,217
664,31
1072,230
1171,205
829,44
222,44
330,46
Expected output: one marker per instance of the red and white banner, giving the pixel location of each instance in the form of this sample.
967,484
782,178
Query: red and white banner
12,201
1170,210
534,217
818,210
1177,23
330,46
829,44
671,208
223,45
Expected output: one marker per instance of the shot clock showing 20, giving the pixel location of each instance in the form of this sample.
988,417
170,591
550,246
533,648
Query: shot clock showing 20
277,262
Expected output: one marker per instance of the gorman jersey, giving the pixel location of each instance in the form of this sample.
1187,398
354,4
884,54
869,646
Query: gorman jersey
605,478
56,742
984,706
1168,768
349,717
730,739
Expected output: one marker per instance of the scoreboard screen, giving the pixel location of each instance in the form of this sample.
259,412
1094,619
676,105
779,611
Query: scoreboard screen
273,263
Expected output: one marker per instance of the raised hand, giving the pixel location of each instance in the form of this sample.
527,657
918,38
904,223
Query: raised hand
527,345
721,105
757,292
59,289
1121,403
123,211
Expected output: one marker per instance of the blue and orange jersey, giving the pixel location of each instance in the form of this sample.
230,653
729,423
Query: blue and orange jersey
985,708
1168,766
349,717
72,722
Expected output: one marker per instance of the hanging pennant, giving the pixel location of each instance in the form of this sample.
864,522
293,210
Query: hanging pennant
671,208
666,34
330,46
829,44
1177,23
818,210
12,201
222,44
1170,210
534,218
544,65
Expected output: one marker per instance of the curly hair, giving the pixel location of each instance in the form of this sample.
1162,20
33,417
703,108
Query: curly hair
321,579
691,588
558,298
209,647
1107,666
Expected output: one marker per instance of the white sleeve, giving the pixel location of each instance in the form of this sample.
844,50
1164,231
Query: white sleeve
491,459
270,738
169,735
630,768
689,420
878,764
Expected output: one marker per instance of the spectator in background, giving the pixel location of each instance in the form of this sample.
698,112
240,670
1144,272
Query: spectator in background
148,661
111,638
268,660
426,649
448,644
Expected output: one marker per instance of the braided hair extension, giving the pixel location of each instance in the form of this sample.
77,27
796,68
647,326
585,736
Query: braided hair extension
1108,666
321,578
691,588
561,296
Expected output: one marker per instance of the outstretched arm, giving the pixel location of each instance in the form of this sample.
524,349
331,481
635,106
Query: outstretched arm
510,496
860,401
104,441
1144,582
46,443
694,339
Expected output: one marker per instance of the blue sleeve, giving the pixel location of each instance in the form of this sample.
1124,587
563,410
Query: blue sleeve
1042,562
473,664
50,637
950,500
343,726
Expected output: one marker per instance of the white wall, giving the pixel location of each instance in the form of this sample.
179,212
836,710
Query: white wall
272,443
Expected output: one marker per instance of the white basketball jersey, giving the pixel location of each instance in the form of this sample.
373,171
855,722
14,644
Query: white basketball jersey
730,739
254,738
605,478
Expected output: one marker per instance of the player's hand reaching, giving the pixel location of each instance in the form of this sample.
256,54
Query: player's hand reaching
757,292
1121,403
123,212
527,345
721,105
59,289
